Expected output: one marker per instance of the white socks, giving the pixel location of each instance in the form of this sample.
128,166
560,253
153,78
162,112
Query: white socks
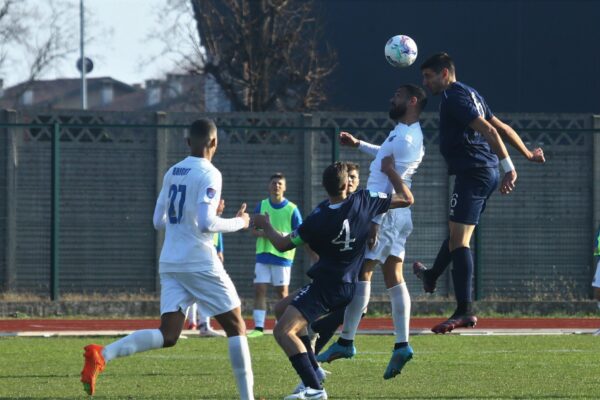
205,321
259,318
192,313
239,355
355,309
400,299
136,342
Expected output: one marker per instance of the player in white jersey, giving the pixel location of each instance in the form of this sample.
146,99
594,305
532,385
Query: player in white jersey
405,143
190,270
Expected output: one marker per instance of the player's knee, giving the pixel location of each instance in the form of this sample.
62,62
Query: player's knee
281,291
365,275
280,332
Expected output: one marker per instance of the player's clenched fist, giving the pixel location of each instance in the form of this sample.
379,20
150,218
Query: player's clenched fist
346,139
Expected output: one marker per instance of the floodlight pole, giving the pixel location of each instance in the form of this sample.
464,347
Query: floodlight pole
82,58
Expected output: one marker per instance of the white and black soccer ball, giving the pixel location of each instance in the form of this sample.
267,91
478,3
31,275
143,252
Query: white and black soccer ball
400,51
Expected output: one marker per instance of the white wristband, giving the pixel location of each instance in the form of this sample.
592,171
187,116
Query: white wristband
507,164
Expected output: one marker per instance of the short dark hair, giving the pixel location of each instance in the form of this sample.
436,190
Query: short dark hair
335,178
438,62
202,130
418,92
277,175
352,166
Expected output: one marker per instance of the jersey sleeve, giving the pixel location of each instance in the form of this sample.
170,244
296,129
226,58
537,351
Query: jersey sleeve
210,188
164,191
296,218
462,107
304,233
257,209
377,202
160,209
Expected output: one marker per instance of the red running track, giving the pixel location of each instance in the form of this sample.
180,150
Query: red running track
37,325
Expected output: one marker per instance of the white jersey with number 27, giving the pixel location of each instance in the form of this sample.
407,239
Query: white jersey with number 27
186,185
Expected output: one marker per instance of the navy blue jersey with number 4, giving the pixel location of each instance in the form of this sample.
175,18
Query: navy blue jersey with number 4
338,234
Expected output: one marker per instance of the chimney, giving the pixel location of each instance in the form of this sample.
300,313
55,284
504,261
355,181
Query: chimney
174,85
152,92
27,97
107,92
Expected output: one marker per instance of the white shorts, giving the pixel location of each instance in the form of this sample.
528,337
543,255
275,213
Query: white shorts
395,227
276,275
213,291
596,281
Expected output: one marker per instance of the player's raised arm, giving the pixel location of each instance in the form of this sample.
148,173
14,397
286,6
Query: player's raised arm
208,221
281,243
495,141
347,139
403,196
508,133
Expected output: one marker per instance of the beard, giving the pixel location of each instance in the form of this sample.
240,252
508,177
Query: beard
397,112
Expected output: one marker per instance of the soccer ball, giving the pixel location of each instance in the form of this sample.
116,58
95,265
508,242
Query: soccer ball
400,51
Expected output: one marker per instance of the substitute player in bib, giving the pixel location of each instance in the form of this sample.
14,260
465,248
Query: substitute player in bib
273,267
337,231
405,143
471,141
190,270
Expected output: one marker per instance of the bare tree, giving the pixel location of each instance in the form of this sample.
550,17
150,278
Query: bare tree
264,54
35,38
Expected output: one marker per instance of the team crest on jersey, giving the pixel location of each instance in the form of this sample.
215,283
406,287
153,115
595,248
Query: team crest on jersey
210,193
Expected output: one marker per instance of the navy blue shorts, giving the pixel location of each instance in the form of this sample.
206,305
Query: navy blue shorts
472,188
317,298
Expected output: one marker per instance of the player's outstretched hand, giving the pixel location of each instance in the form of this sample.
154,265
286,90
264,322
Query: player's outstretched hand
508,182
243,215
537,155
260,221
346,139
387,164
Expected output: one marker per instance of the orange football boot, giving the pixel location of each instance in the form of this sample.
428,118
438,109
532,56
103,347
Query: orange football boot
93,365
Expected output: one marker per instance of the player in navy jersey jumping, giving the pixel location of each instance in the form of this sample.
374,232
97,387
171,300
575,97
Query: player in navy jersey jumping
471,141
337,230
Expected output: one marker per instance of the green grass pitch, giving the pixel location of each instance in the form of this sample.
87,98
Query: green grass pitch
444,367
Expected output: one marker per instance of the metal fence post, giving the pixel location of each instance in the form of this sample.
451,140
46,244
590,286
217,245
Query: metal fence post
55,219
12,162
162,164
335,145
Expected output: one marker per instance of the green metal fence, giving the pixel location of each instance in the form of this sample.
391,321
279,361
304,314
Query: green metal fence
532,243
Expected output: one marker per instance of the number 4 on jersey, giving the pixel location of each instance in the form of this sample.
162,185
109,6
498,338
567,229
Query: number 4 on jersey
176,215
344,233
